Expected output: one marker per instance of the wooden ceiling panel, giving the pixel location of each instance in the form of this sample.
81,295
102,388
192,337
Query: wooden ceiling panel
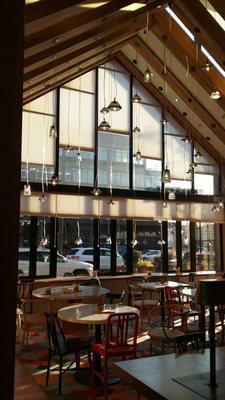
42,8
219,6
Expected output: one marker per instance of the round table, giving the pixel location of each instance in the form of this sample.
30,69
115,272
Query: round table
92,314
85,293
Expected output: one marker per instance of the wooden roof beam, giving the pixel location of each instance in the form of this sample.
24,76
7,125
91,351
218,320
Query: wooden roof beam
194,15
180,45
69,67
125,32
179,88
219,6
42,8
158,95
77,20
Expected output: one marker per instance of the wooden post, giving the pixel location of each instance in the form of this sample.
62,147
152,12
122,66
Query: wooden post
11,77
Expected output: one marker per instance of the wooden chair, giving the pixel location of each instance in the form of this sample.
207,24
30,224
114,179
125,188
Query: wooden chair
60,346
24,291
117,344
33,316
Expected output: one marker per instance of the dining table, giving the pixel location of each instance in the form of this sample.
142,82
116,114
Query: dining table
83,293
97,316
173,377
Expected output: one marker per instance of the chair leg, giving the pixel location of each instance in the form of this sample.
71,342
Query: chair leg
89,356
93,375
48,369
105,379
60,374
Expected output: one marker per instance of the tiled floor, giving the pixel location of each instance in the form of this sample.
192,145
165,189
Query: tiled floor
25,386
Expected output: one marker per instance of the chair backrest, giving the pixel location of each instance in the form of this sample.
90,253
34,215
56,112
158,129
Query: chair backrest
24,290
81,272
173,299
55,333
91,282
133,281
120,329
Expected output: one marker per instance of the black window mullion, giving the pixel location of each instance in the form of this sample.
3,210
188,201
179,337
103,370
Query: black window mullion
131,175
179,244
33,246
57,122
53,247
192,246
113,228
165,246
96,126
96,247
130,249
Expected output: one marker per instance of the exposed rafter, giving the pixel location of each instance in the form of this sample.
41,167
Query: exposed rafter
194,15
158,95
219,6
179,88
42,8
180,45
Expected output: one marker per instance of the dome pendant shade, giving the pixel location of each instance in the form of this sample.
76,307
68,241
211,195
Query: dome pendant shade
138,155
136,130
166,175
104,110
197,154
79,241
186,139
148,75
96,191
52,132
43,198
104,125
136,98
54,180
114,105
161,242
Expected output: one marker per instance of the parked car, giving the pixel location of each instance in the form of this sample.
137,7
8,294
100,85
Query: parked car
151,254
64,265
86,254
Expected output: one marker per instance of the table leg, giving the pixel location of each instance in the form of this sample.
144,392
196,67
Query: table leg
202,322
162,304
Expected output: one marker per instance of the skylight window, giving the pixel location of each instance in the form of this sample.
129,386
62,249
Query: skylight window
214,13
191,36
133,7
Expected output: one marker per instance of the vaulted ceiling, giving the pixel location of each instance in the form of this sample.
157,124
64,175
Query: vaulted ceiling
65,38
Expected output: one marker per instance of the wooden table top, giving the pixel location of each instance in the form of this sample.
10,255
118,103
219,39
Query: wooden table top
158,286
153,375
67,292
92,313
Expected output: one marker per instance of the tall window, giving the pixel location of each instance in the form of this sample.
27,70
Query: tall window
205,244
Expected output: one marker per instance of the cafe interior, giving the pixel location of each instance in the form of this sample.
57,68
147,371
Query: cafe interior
112,210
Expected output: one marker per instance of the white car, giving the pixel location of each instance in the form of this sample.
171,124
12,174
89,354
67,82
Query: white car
151,254
64,266
87,254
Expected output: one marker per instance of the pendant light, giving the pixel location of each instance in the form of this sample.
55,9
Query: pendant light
148,75
114,105
27,189
138,155
134,242
52,131
54,180
111,202
136,130
104,125
161,241
78,241
79,156
166,177
43,198
104,110
96,191
198,154
215,95
68,148
136,98
207,66
44,240
164,121
186,138
172,194
108,240
215,208
221,203
165,204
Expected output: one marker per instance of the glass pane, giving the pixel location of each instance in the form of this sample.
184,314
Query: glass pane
43,243
117,85
185,242
78,132
36,173
172,127
148,141
113,158
177,157
24,247
205,244
45,104
147,252
145,95
85,83
179,185
105,246
147,174
121,238
37,146
204,184
172,254
71,172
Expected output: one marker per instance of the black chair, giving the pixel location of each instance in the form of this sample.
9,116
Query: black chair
195,339
59,346
118,297
91,282
81,272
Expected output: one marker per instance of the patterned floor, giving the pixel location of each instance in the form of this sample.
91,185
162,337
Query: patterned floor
34,359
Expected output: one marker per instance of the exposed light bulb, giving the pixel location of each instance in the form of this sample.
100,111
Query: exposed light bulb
68,148
166,175
54,180
136,130
134,242
111,202
136,98
186,139
114,105
148,75
165,204
27,190
79,157
198,154
44,242
164,121
52,132
43,198
161,242
104,125
138,155
96,191
215,208
79,241
108,240
215,95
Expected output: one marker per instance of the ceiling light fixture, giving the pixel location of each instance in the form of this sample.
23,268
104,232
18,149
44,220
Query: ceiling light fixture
186,138
215,95
104,110
136,98
54,180
148,75
68,148
114,105
198,154
52,131
172,194
138,155
136,130
166,176
207,66
96,191
104,125
79,157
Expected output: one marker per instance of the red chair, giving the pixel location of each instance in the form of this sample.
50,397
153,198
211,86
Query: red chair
120,341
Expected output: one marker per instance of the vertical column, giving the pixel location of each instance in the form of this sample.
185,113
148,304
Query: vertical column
11,75
131,175
165,246
53,246
57,119
192,246
130,248
33,246
113,226
96,246
179,245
